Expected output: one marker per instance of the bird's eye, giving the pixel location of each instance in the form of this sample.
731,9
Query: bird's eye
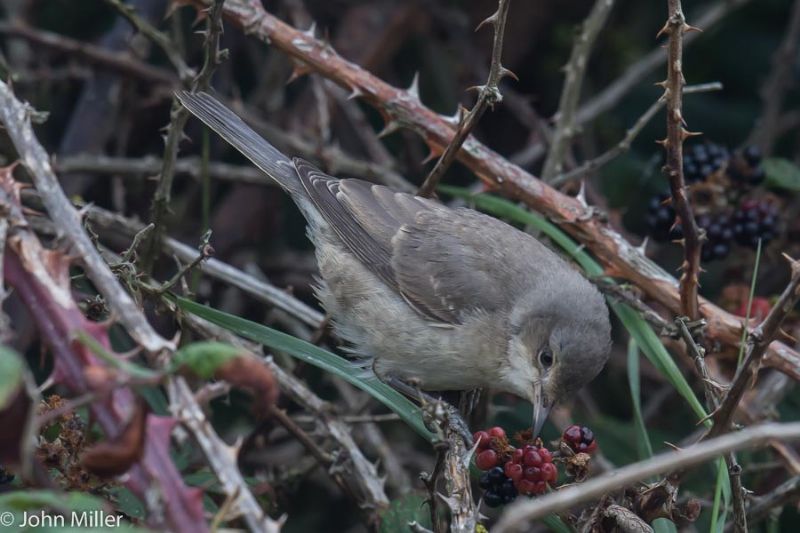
546,358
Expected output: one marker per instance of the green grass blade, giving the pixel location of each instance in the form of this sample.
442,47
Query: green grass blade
313,355
645,449
555,523
749,304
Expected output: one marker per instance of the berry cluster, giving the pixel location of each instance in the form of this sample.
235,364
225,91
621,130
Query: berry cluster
721,191
531,469
580,439
528,469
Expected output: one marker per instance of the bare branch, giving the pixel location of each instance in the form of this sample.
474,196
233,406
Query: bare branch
15,116
488,96
757,343
575,70
768,128
519,515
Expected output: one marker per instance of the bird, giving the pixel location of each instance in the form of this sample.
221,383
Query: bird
447,298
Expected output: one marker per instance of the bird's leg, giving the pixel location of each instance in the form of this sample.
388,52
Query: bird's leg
433,405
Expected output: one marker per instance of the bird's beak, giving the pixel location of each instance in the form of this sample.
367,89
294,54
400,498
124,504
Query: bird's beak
541,408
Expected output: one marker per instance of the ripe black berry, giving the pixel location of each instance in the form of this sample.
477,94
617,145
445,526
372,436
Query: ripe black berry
660,218
755,220
498,488
719,234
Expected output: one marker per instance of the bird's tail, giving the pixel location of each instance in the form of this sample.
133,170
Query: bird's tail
254,147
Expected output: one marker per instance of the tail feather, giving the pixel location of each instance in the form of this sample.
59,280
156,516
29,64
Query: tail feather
254,147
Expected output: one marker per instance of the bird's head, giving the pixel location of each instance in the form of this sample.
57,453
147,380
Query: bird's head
557,343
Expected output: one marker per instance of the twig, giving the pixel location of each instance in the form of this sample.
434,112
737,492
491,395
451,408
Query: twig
122,62
625,144
773,92
109,223
519,515
675,27
712,392
636,73
221,458
488,95
611,249
565,128
786,492
185,73
179,115
15,116
757,343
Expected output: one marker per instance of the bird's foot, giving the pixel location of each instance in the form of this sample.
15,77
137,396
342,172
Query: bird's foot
436,412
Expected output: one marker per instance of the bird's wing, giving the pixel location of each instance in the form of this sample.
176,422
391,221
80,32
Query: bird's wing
444,262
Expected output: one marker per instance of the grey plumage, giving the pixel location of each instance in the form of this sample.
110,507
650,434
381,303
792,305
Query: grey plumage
450,297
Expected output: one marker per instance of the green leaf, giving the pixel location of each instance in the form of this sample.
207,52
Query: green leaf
313,355
555,523
204,358
12,372
404,510
782,174
643,442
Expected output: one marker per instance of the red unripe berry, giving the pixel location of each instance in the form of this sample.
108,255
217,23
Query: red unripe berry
514,471
541,487
545,454
482,438
486,460
517,455
533,474
526,487
498,432
572,434
532,458
549,472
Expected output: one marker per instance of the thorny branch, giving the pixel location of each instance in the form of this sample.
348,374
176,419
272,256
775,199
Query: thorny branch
179,115
619,257
15,117
675,27
488,95
565,128
757,342
625,144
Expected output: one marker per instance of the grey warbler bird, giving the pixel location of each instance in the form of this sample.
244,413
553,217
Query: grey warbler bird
448,298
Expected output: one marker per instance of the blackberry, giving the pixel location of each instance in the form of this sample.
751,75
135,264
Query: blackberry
660,218
498,488
580,439
719,236
755,220
702,160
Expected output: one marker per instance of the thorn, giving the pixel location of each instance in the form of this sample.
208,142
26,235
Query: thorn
390,127
311,31
456,118
642,248
477,88
413,90
506,73
663,142
662,84
430,157
685,134
355,93
581,196
491,19
299,70
688,28
664,30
